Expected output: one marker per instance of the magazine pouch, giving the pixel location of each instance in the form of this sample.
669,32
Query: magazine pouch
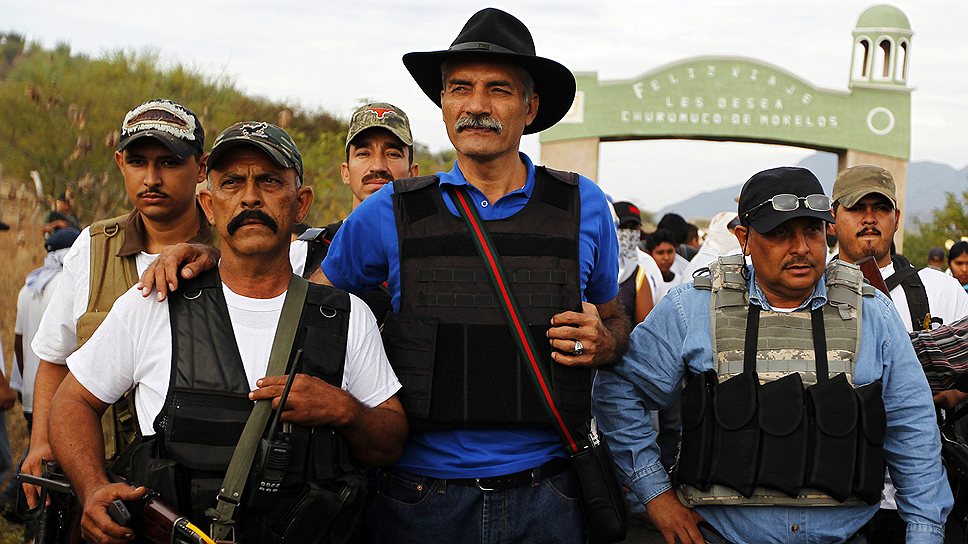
736,434
832,442
869,472
695,457
783,455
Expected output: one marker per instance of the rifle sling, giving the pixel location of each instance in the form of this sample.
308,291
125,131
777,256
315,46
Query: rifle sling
230,494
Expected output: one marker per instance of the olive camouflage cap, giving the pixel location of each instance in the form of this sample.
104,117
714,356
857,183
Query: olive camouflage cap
269,138
856,182
381,115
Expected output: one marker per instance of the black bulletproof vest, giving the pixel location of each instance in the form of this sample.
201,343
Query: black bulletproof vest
449,344
907,277
319,240
207,401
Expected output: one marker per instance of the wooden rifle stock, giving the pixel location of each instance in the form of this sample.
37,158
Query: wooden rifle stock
872,273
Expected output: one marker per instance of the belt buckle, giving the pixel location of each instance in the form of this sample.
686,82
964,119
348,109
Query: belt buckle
481,487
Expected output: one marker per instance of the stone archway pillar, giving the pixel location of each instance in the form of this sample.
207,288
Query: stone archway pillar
580,155
897,167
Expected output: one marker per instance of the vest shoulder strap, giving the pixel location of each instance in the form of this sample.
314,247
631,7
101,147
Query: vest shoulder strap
110,275
319,240
571,178
907,277
412,184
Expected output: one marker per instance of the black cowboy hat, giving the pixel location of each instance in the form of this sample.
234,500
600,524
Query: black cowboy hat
492,32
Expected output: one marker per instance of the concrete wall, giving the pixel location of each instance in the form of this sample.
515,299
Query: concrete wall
573,155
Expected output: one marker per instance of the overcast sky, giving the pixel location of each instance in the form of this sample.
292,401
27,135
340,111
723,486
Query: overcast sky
333,54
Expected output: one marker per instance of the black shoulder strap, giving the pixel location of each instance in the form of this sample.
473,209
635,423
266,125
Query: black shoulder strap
416,204
571,178
319,240
406,185
907,277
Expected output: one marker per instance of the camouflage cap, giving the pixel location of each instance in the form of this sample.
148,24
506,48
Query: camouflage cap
269,138
170,123
856,182
382,115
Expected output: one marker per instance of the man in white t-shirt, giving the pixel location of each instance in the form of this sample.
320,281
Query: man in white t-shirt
161,157
209,345
865,207
33,299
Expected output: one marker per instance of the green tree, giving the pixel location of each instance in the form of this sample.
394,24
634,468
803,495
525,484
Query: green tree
950,222
62,113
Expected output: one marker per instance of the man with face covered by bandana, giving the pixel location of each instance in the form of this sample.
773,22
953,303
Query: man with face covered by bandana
637,272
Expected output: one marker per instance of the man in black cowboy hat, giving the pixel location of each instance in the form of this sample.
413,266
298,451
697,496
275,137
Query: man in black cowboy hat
484,459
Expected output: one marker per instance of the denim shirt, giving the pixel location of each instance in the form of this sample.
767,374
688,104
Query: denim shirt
675,338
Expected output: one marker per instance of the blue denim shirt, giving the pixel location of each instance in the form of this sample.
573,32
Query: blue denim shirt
675,338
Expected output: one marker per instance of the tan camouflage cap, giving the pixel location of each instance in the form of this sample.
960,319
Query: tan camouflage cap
856,182
383,115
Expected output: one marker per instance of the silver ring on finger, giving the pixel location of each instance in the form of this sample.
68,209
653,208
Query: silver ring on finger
579,349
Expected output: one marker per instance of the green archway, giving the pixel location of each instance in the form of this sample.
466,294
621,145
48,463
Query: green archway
740,99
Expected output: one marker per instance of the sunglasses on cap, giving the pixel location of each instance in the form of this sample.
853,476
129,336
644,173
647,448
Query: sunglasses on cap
789,203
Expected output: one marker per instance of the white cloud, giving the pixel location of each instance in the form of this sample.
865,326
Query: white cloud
332,54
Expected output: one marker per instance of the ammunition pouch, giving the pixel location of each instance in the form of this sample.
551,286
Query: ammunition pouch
869,472
736,433
695,457
828,437
784,441
832,405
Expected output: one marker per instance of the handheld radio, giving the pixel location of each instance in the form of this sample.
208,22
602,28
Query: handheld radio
272,457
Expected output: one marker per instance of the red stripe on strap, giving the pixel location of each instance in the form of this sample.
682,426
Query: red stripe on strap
517,322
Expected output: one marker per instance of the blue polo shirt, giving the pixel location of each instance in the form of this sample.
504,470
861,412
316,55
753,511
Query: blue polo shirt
365,253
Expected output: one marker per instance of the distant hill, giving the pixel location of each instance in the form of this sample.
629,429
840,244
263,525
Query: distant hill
61,112
927,183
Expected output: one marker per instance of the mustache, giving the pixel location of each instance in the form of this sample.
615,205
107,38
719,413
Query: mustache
870,230
800,261
246,215
382,174
151,192
482,120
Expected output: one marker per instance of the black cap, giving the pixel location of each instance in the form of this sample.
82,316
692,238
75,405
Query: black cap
627,213
61,238
778,181
172,124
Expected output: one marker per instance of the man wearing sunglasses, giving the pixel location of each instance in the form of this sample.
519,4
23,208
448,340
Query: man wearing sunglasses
865,205
773,358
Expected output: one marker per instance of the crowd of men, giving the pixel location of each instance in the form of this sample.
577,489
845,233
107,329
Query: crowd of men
764,395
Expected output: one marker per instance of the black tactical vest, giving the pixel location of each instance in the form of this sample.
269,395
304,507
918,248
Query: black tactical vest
319,240
207,407
449,344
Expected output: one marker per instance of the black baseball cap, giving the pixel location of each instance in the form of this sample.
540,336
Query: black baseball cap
755,210
170,123
627,213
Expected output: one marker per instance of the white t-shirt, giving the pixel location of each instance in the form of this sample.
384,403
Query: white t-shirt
947,299
30,310
652,274
132,349
57,335
298,251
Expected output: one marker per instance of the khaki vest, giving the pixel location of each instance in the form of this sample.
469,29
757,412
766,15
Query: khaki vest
785,346
111,275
